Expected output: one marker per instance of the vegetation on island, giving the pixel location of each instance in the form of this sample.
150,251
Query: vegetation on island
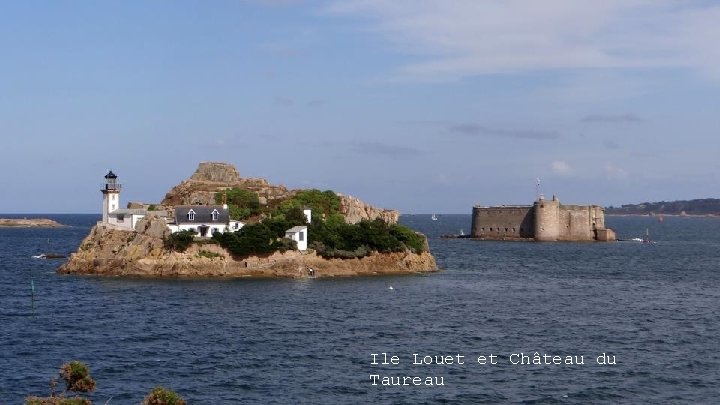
329,234
242,204
705,206
76,376
163,396
180,241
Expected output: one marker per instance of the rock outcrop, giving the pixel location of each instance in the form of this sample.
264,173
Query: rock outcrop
211,177
116,252
355,211
29,223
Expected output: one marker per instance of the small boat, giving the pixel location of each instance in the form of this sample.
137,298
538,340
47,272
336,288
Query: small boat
462,233
434,217
49,256
636,239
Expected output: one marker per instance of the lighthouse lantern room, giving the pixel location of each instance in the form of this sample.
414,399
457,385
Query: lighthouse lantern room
111,195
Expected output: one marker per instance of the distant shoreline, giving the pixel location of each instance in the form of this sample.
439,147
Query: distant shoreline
29,223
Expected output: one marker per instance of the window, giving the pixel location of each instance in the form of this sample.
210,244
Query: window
301,236
121,218
215,215
191,215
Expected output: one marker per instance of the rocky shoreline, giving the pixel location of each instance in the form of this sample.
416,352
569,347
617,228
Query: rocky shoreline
110,251
29,223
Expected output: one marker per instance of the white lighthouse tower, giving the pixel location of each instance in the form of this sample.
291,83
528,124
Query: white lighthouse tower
111,195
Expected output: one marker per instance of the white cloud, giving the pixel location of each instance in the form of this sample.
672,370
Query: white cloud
560,167
471,37
613,172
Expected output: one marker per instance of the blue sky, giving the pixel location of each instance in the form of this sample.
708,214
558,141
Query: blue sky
423,106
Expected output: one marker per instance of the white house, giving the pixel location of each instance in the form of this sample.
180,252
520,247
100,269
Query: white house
300,235
204,219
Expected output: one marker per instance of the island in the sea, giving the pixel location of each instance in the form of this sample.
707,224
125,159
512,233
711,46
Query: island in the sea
545,220
218,224
29,223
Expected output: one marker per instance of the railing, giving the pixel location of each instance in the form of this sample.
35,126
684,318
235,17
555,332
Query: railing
116,186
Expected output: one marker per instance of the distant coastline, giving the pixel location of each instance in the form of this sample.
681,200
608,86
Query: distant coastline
29,223
651,215
697,207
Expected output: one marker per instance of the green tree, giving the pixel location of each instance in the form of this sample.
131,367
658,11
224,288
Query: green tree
242,203
322,203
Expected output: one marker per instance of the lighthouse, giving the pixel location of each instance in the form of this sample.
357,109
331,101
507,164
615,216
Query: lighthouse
111,195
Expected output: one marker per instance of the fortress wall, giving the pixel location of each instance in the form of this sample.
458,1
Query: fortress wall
576,223
503,222
598,214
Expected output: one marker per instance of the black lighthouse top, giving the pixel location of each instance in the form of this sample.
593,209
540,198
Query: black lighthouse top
111,181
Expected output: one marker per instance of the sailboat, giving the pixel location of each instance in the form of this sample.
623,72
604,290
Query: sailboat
434,217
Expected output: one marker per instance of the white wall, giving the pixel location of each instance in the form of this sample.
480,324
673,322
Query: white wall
300,237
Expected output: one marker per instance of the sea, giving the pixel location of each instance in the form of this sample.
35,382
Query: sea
503,322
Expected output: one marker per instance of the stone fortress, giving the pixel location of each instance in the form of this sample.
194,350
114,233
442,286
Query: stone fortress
545,220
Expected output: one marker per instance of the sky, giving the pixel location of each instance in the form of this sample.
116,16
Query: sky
426,106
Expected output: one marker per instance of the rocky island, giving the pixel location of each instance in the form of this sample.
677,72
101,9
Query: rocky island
217,224
29,223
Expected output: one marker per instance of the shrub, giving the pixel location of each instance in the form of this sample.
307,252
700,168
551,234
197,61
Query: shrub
284,244
409,238
163,396
334,239
179,241
76,375
251,239
208,254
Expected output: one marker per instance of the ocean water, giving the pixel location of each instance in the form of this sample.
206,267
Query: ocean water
652,309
